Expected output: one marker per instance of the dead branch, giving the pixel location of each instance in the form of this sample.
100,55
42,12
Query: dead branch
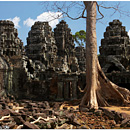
67,14
37,120
80,89
41,118
20,127
99,12
4,117
64,126
116,8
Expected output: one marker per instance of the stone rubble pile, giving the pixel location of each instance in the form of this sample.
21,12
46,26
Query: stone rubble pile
28,114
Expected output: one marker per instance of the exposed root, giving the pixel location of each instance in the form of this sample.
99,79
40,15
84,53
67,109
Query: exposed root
105,91
119,93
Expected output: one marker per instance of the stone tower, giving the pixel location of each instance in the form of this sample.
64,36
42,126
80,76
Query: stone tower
64,39
114,49
66,47
10,44
41,44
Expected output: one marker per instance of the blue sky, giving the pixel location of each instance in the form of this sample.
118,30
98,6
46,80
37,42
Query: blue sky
25,13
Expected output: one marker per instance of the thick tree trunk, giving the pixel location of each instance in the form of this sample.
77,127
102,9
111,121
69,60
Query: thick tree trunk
99,90
91,55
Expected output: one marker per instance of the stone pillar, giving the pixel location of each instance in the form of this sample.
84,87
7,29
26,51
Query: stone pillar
74,90
60,91
66,91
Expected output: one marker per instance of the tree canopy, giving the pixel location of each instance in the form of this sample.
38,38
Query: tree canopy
80,38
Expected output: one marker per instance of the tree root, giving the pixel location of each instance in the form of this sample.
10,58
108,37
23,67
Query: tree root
105,91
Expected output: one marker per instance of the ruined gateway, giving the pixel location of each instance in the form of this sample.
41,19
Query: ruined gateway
50,67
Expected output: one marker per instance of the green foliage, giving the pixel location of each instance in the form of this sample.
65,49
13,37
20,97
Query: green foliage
80,37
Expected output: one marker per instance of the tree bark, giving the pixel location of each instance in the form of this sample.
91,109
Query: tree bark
99,90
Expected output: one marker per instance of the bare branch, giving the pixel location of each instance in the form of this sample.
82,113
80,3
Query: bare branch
65,9
19,127
116,8
41,118
67,14
4,117
99,12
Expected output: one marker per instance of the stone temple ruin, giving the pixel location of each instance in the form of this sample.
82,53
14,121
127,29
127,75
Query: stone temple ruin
50,67
47,68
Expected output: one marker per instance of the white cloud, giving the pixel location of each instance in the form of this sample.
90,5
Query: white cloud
129,33
51,17
16,21
29,22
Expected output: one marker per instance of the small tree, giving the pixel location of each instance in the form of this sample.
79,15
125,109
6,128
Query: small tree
80,37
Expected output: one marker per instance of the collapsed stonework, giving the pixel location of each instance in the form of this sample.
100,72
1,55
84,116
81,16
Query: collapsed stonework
115,54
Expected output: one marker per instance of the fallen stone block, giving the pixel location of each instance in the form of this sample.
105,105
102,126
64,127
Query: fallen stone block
28,125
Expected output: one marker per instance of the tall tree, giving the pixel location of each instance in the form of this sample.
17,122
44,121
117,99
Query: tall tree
80,37
99,90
